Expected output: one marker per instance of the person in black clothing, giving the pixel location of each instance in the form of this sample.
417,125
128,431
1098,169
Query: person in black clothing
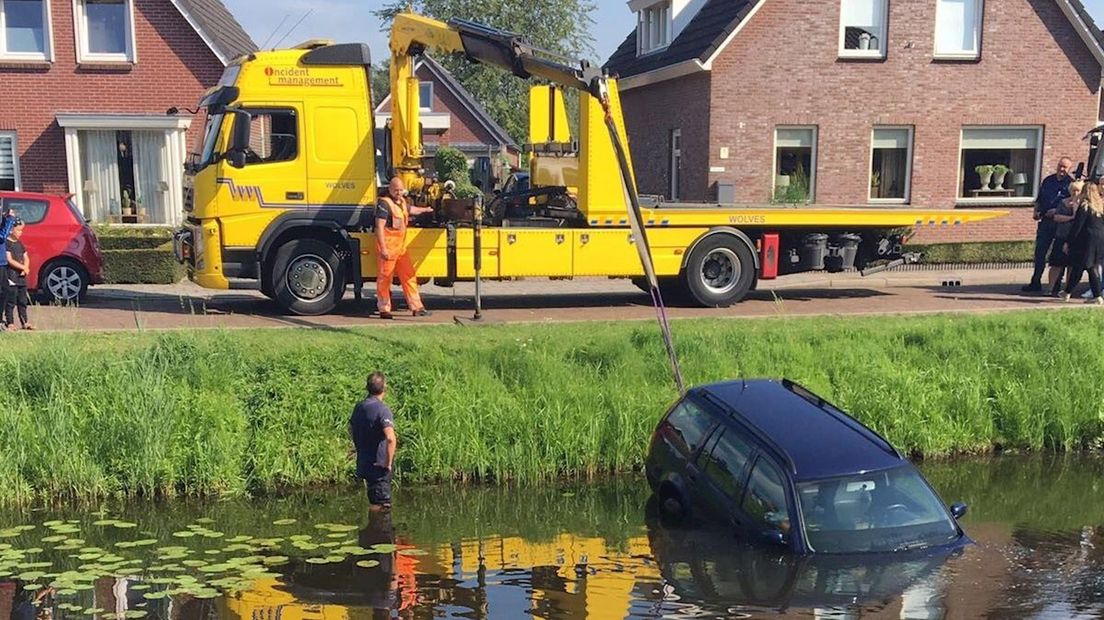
1086,245
19,265
1053,190
372,429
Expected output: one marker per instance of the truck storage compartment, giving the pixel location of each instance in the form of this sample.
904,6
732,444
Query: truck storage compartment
842,251
812,251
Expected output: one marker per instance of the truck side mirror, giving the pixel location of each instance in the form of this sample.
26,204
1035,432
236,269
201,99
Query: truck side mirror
239,138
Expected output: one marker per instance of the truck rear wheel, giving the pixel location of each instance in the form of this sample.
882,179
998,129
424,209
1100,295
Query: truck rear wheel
720,272
308,277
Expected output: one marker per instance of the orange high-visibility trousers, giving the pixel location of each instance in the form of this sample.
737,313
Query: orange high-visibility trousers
408,279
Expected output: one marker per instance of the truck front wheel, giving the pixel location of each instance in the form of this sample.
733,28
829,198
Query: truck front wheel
308,277
720,272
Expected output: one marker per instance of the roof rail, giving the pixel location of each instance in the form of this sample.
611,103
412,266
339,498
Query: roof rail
839,414
754,430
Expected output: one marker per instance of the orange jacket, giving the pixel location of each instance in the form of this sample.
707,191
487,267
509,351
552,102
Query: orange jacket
397,216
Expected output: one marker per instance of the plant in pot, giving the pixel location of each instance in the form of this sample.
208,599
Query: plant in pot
1000,171
875,184
986,174
128,204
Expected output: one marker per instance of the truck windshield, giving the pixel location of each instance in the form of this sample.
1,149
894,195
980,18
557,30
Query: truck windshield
885,511
204,155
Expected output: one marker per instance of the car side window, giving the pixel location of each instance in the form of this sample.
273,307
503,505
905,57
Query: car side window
691,424
29,210
765,500
273,136
725,462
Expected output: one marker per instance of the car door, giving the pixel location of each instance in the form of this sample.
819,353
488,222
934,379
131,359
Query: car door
721,475
766,508
47,232
274,175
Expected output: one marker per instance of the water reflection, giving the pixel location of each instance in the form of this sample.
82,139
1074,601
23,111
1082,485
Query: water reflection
586,550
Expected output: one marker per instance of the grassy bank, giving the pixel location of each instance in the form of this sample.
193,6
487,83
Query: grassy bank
231,412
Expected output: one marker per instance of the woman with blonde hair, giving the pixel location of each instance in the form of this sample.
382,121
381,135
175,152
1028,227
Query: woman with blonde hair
1059,260
1086,243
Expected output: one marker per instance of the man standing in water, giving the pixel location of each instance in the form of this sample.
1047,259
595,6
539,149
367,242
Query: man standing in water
372,429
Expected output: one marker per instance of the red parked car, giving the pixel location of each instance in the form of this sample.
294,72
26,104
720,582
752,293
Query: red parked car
65,254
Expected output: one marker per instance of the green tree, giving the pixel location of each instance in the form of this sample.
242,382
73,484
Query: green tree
381,82
562,27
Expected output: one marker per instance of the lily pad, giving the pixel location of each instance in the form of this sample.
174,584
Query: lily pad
383,548
184,534
205,520
285,522
124,525
368,563
54,539
318,561
413,552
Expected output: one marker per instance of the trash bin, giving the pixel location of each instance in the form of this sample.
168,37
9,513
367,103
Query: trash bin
812,252
842,252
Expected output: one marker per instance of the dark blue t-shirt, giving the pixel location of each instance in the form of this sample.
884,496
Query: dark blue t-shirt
1052,192
370,417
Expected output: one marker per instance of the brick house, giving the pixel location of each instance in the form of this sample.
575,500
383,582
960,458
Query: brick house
86,86
451,116
860,102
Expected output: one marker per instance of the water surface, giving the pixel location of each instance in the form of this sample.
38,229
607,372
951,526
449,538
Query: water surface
559,551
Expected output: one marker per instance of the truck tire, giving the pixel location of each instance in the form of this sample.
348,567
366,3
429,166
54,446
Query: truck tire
720,272
308,277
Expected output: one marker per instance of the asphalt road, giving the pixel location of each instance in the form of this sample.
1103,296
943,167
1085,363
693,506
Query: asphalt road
185,306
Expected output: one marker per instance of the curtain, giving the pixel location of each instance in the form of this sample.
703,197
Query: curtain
893,173
150,166
100,169
1024,161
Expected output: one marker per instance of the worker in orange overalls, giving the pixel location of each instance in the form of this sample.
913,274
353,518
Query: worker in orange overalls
392,217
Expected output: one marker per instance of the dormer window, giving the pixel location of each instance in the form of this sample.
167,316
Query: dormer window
863,28
653,28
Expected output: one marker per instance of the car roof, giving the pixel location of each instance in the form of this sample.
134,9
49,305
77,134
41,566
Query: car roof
813,438
30,195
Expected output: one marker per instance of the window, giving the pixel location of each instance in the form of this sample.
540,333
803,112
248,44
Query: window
795,164
691,423
9,162
863,29
105,30
675,173
958,29
24,29
1000,164
891,164
653,29
425,96
765,500
725,461
273,136
28,210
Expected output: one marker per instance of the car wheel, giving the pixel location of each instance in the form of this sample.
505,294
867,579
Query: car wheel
672,507
720,272
308,277
63,281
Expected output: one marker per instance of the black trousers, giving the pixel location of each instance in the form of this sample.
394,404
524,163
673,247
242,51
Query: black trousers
1044,238
1087,258
15,297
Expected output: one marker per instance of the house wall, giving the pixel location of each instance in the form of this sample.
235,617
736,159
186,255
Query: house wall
651,113
783,69
174,67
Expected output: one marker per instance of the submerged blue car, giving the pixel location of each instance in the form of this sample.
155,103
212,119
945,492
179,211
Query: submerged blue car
783,466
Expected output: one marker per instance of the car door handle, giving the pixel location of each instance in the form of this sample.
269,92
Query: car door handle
294,195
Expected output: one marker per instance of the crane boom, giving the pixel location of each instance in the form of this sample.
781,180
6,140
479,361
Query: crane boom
413,35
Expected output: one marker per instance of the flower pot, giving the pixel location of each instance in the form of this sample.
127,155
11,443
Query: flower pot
986,179
864,41
999,178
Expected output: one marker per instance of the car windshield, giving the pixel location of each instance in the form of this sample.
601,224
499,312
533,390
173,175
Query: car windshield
893,510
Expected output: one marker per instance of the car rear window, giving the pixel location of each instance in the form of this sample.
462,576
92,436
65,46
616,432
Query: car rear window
29,210
690,423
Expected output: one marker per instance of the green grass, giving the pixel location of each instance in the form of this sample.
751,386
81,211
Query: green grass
976,253
92,415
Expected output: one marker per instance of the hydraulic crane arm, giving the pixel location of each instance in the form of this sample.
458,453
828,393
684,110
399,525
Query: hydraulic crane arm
413,35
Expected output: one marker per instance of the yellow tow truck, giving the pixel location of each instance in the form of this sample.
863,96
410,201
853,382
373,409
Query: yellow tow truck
281,191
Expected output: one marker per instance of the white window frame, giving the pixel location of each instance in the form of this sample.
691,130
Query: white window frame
675,164
422,84
15,156
80,26
878,54
1015,200
46,55
908,166
976,54
644,43
811,198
